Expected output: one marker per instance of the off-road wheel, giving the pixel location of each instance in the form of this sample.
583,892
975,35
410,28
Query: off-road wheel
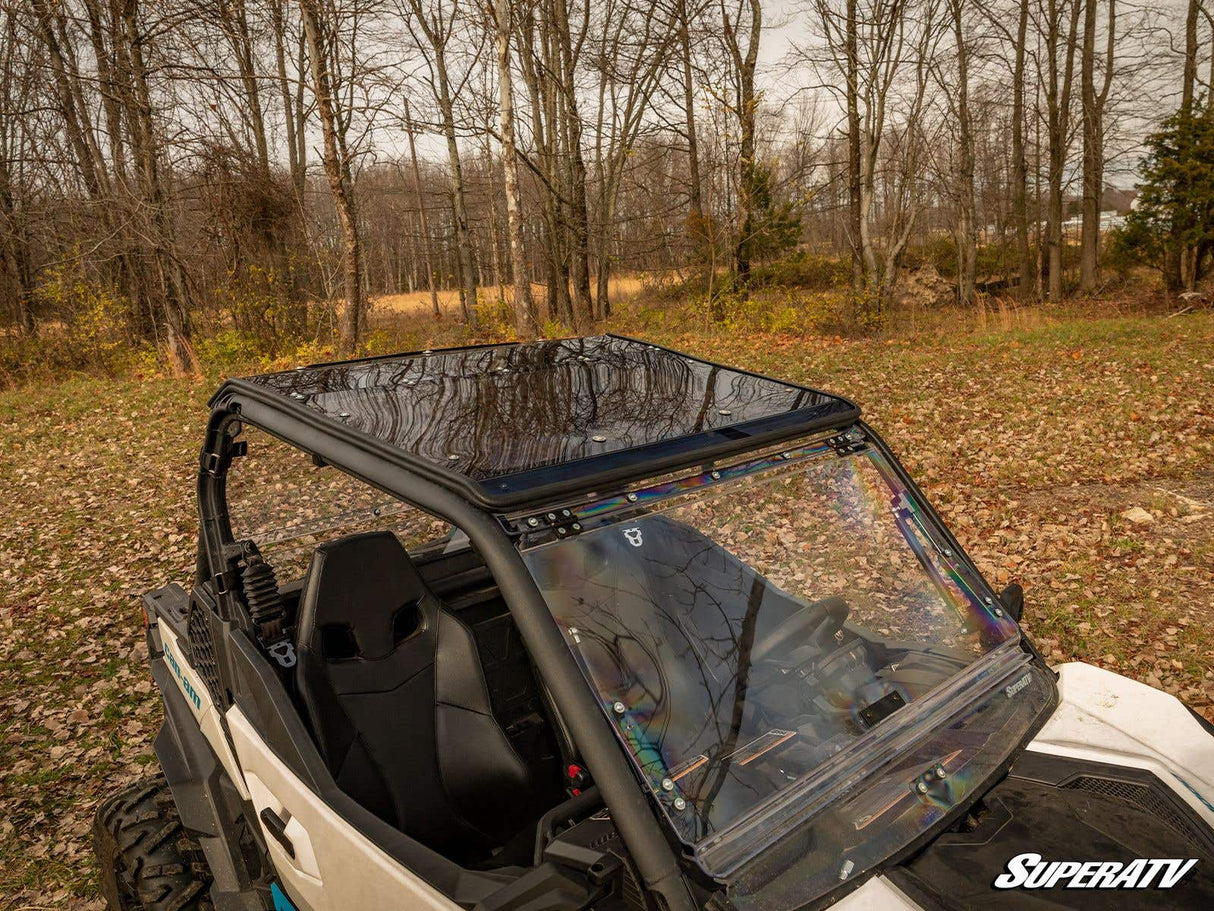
148,860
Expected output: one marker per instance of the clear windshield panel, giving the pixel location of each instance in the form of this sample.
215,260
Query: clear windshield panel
749,635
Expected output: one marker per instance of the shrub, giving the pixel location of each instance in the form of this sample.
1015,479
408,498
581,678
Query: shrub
802,270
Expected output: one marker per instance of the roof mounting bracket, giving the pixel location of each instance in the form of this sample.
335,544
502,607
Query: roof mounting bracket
848,443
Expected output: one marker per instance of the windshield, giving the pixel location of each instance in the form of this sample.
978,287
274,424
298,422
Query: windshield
746,628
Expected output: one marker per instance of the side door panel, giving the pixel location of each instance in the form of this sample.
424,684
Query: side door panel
334,866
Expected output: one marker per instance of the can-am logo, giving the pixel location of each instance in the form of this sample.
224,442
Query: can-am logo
1029,871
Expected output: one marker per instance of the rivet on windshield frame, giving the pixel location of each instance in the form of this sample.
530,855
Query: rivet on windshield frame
998,612
845,870
989,600
921,787
716,475
940,773
667,784
947,552
599,438
724,412
619,708
680,804
533,522
632,498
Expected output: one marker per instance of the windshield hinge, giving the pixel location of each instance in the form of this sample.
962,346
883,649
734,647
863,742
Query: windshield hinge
563,522
849,442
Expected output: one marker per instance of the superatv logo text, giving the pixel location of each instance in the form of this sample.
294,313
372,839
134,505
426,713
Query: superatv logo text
1029,871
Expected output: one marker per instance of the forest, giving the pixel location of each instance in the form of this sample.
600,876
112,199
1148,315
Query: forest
264,174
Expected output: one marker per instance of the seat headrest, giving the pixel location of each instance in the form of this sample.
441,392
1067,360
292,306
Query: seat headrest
358,583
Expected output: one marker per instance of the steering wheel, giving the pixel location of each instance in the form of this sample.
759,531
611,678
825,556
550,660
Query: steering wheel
822,620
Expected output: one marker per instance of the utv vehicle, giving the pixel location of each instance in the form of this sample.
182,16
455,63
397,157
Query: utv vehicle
595,624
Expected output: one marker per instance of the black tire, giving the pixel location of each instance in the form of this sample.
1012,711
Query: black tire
148,861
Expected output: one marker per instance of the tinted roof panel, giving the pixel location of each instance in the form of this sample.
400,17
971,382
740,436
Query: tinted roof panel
500,410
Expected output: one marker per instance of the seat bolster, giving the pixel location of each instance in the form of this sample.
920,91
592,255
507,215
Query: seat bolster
484,777
460,676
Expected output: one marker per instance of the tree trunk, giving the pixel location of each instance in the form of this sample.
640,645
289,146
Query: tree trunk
459,205
171,274
747,104
1188,83
1090,232
1058,103
427,247
689,107
579,216
526,319
337,170
1020,208
855,228
967,254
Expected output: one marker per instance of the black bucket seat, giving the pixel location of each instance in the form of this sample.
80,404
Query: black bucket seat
394,691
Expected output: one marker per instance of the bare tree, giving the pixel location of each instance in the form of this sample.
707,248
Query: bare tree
1020,208
683,20
1059,25
526,319
1094,98
632,56
437,23
967,251
427,245
320,27
16,266
742,42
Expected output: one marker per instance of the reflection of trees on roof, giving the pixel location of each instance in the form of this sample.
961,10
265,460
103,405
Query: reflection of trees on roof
509,408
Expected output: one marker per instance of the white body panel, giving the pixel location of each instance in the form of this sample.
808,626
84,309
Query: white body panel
878,894
335,865
1105,717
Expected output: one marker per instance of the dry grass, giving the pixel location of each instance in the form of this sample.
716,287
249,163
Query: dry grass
418,303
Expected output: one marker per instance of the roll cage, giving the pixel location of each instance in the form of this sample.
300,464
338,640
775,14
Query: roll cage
478,508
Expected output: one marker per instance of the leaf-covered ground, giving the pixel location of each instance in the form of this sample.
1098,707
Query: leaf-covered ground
1077,459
